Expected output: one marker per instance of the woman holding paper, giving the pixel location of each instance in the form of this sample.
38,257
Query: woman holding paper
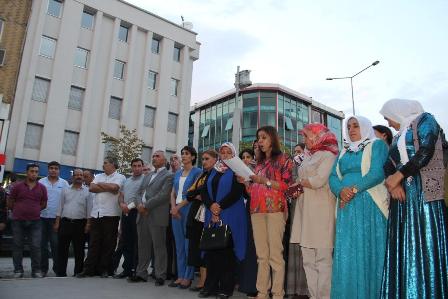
268,209
223,197
357,179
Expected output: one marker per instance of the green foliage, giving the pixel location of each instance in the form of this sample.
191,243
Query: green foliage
125,148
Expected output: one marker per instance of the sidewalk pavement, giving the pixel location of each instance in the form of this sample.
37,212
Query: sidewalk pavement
77,288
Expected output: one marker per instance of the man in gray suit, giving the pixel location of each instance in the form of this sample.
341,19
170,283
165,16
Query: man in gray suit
152,220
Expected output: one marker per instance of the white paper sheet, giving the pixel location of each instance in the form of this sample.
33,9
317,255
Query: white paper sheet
238,166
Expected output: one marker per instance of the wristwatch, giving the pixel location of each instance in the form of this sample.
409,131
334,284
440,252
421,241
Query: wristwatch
268,184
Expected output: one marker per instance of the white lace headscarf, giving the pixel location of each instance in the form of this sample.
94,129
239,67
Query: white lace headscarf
403,112
367,133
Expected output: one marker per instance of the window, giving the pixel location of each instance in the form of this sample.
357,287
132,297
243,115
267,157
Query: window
54,8
123,33
155,46
81,57
176,54
2,56
152,80
146,154
76,98
205,131
174,86
229,124
115,108
33,135
70,143
40,89
87,20
119,69
172,122
150,113
288,124
2,25
47,46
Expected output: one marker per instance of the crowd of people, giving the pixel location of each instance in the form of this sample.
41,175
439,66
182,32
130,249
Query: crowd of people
365,219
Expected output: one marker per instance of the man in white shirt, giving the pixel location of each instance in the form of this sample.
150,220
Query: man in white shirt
70,223
104,220
54,185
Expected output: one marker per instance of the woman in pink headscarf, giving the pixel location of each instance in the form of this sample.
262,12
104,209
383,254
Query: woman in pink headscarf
313,223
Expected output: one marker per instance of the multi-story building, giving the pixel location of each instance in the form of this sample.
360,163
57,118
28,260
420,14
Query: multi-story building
90,66
13,23
221,119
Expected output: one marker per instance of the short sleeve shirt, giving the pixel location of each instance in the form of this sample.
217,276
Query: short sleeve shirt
54,192
27,202
106,203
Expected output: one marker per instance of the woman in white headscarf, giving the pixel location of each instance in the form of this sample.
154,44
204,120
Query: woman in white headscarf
416,264
362,209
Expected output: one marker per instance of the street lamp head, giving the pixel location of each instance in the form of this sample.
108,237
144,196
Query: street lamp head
329,79
376,62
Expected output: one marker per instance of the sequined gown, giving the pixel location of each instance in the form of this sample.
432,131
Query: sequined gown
360,241
416,264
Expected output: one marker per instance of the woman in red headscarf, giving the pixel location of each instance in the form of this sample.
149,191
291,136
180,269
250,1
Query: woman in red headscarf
314,217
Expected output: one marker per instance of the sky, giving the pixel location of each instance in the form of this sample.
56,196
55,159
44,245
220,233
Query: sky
300,43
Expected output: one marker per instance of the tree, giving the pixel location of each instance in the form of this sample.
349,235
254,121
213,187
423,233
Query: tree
125,148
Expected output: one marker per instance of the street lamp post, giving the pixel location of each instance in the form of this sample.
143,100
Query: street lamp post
351,81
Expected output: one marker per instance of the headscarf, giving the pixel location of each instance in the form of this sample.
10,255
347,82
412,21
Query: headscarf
220,166
403,112
366,130
325,139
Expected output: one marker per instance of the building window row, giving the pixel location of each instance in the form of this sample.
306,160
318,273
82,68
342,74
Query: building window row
88,19
33,138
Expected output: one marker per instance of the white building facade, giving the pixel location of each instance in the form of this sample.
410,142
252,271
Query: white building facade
90,66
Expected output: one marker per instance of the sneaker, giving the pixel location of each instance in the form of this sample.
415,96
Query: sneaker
18,274
37,275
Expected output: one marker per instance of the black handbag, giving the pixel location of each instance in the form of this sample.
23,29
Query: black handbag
216,236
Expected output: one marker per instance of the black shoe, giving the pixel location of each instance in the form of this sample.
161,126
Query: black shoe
83,274
204,294
196,289
184,287
121,275
173,284
104,275
159,282
136,279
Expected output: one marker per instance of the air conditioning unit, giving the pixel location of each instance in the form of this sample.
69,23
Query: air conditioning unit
2,56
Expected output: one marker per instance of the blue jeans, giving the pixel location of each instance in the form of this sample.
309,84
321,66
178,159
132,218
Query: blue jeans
32,230
179,231
49,236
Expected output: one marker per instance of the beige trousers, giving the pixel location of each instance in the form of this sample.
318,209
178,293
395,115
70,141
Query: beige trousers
268,230
318,263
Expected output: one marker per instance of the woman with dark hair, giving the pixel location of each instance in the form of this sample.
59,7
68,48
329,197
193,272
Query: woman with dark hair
416,264
222,196
194,222
384,133
248,268
268,208
183,179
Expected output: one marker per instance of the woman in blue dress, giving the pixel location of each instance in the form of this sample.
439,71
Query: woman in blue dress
357,180
416,264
